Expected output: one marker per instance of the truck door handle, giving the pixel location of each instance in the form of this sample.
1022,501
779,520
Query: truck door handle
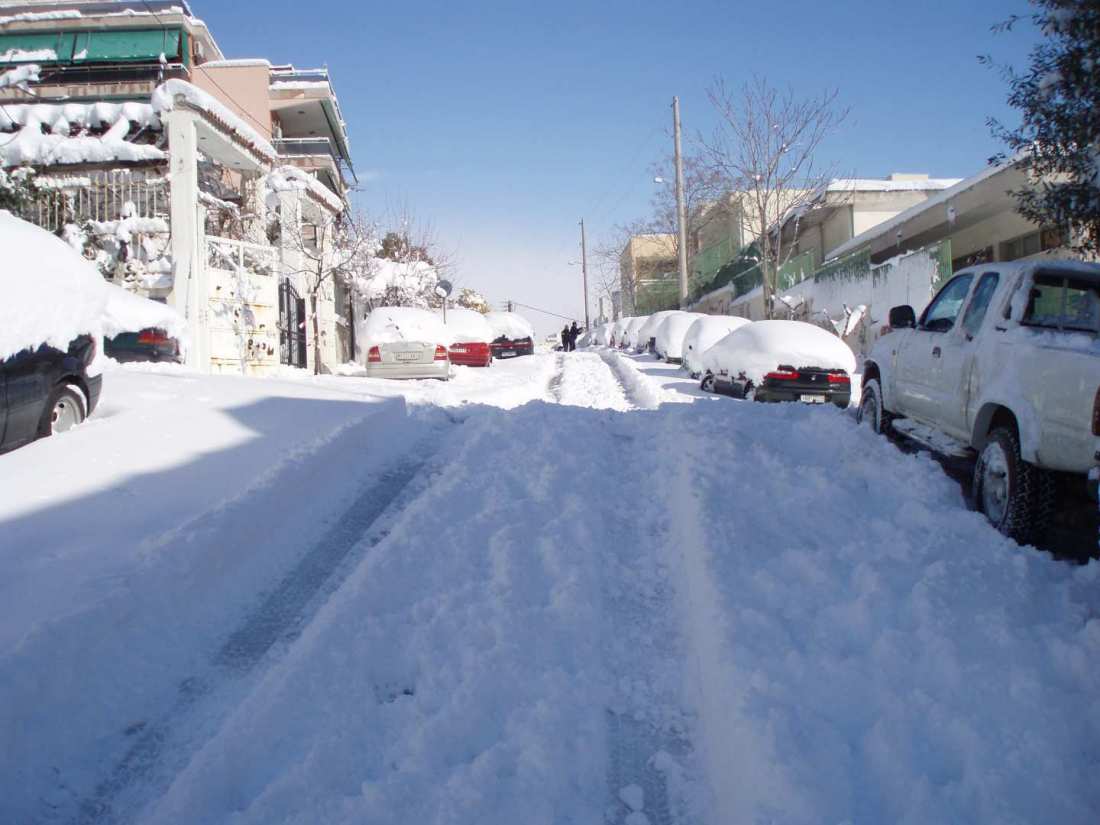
936,352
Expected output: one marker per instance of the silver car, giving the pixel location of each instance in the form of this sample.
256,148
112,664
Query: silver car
404,342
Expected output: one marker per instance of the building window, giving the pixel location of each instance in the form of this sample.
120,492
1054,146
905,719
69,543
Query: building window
1033,243
982,256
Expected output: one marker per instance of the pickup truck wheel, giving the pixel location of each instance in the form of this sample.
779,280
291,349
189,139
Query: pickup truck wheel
871,412
1008,489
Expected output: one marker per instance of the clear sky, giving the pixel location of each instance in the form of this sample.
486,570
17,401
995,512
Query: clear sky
504,123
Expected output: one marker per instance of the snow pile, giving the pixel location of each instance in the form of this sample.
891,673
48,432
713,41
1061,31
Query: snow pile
648,330
44,135
387,325
760,347
293,179
164,100
53,295
630,331
618,329
510,325
20,77
671,331
467,326
704,334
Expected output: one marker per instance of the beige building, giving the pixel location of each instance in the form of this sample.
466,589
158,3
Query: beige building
648,274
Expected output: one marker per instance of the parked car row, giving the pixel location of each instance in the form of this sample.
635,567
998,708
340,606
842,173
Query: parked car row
406,342
763,361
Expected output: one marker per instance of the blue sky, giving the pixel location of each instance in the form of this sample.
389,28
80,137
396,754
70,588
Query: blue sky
505,123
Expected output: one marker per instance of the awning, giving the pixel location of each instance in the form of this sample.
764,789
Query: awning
121,46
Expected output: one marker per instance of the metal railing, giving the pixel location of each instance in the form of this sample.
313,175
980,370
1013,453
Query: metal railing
235,256
97,196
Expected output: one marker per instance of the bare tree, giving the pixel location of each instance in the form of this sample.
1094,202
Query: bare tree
329,247
703,187
765,146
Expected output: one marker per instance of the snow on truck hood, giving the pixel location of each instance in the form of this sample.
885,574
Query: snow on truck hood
759,347
53,295
467,326
510,325
389,325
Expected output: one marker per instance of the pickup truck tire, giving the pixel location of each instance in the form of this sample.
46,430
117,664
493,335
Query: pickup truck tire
871,412
1014,495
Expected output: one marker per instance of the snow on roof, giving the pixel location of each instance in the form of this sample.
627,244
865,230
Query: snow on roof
387,325
30,145
164,100
468,326
886,185
299,84
20,76
758,348
240,61
291,178
27,55
36,16
53,295
510,325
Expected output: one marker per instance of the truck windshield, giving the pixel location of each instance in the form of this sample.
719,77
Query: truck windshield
1066,303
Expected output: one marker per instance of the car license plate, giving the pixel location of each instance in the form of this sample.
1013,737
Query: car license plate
408,356
812,399
458,349
506,353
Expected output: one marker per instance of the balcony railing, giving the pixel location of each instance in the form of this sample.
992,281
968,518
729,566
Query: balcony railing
313,147
300,75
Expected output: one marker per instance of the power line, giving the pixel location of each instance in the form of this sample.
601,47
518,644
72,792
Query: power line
543,311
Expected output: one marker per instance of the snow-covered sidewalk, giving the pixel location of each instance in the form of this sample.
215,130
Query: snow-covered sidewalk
570,590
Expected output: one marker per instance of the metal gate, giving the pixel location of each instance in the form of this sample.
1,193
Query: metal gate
292,326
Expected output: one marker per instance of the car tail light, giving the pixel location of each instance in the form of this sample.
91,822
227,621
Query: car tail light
839,378
440,353
782,375
1096,413
374,356
152,336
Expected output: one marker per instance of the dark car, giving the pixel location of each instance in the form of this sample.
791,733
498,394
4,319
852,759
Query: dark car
45,391
511,347
807,384
146,345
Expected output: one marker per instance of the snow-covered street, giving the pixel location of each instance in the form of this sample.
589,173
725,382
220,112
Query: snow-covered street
568,588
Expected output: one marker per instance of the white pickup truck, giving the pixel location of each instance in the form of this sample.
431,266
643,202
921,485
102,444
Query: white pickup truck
1003,366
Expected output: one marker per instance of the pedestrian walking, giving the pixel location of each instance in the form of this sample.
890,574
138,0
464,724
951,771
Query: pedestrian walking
574,333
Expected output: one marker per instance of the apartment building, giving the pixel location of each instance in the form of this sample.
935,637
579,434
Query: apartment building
648,274
189,177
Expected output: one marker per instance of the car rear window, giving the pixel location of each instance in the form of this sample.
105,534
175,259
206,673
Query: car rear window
1064,302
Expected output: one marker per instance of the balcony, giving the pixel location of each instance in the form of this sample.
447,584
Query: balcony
321,150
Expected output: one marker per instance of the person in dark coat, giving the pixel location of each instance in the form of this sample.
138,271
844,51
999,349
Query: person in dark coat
565,338
574,333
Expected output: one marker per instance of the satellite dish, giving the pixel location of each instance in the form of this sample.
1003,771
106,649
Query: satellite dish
443,289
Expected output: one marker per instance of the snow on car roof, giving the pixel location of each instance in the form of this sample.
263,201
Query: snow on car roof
51,294
758,348
387,325
468,326
670,332
510,325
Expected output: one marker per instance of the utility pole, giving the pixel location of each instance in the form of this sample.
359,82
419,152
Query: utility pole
681,217
510,306
584,273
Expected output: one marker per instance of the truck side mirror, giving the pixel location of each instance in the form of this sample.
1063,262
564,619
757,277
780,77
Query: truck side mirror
903,317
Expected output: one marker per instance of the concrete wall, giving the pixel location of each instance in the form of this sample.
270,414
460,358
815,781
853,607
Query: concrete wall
242,88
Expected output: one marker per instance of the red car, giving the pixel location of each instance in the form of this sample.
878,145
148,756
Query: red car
471,335
471,354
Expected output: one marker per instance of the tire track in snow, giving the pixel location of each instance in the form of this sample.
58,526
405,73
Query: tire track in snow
587,381
164,747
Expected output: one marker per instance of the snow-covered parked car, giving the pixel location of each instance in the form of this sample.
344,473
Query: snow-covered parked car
630,332
512,334
1003,367
470,337
404,342
56,310
644,339
618,330
781,361
668,342
707,331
